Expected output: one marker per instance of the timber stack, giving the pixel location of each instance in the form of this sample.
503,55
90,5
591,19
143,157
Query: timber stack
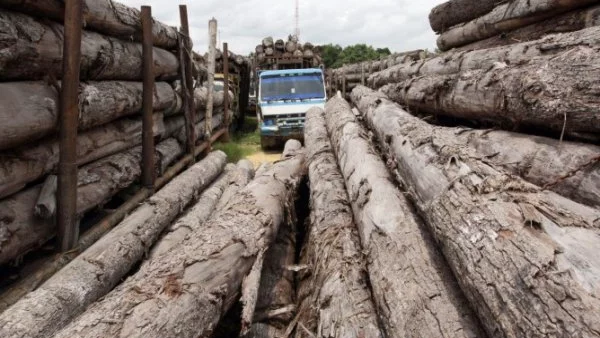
276,54
109,140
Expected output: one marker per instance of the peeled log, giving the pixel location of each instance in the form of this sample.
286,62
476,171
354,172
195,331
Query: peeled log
97,182
525,258
568,22
453,12
29,110
28,163
455,62
104,16
401,254
334,285
32,50
506,17
540,94
185,291
233,178
97,270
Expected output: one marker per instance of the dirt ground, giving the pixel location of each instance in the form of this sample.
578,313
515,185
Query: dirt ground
261,156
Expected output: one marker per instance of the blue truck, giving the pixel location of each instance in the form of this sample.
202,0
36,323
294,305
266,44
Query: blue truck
284,97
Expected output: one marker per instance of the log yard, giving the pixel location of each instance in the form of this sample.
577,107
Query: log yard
166,174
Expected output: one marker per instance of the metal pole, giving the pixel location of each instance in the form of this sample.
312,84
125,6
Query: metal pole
68,224
187,81
362,73
226,90
148,172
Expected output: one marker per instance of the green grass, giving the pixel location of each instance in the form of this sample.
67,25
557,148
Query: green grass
243,143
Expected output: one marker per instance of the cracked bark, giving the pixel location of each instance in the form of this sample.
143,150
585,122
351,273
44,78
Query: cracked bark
97,183
22,165
453,12
413,287
457,61
506,17
98,269
185,291
333,295
524,257
104,16
539,94
32,50
29,110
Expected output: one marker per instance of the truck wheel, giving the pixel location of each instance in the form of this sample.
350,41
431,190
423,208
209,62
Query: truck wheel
266,142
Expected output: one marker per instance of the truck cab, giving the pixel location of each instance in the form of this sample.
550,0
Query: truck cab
284,97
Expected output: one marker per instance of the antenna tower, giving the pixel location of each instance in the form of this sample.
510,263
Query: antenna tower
297,30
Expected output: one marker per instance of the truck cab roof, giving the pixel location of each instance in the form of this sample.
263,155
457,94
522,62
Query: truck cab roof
291,71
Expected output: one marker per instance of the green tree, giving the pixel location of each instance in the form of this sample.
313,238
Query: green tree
335,56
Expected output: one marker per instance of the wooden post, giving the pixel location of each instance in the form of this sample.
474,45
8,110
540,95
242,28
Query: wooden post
148,172
226,91
212,45
187,82
362,73
67,220
344,81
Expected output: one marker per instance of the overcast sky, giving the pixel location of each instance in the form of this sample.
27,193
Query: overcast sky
400,25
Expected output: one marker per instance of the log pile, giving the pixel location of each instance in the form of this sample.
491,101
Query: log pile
471,24
272,54
110,103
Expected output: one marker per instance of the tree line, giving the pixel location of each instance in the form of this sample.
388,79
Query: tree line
335,55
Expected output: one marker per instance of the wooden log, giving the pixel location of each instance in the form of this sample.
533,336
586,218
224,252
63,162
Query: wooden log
524,257
567,168
401,254
104,16
506,17
455,62
453,12
167,152
29,110
32,50
233,179
97,270
97,183
568,22
200,128
28,163
203,274
334,284
556,95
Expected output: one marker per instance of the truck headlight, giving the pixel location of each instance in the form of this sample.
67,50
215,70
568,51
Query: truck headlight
269,122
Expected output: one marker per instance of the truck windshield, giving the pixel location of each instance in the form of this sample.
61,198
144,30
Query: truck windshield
292,86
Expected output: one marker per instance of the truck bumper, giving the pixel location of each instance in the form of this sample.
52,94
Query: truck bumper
281,135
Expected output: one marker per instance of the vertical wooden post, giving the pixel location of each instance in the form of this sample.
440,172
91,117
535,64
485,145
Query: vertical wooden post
212,46
187,81
67,219
148,172
362,73
227,113
344,81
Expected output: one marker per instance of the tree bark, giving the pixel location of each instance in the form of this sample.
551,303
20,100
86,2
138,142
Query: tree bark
453,12
567,168
28,163
540,94
97,183
233,178
200,128
32,50
571,21
29,110
524,257
401,255
196,282
45,206
97,270
506,17
455,62
335,284
104,16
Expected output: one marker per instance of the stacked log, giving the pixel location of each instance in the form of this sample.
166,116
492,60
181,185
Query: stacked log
97,270
268,53
507,241
473,24
204,273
